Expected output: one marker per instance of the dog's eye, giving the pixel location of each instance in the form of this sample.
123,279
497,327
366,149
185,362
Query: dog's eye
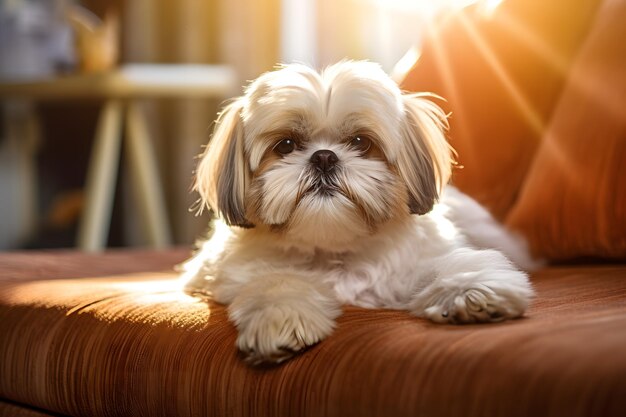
285,146
360,143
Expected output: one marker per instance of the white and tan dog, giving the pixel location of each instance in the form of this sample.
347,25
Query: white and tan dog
327,186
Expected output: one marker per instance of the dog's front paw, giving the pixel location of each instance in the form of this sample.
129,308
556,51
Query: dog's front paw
488,299
275,333
277,318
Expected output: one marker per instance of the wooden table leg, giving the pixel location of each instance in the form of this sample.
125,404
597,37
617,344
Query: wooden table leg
148,187
18,173
101,176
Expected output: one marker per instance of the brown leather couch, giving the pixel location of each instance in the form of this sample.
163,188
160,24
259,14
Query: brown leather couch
112,335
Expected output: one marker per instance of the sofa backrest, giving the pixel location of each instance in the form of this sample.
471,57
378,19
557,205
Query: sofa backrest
537,95
501,75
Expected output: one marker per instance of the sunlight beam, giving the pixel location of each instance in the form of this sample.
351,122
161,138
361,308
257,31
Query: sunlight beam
511,87
443,64
595,90
404,65
538,45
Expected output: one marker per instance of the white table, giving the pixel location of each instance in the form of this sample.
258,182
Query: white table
121,89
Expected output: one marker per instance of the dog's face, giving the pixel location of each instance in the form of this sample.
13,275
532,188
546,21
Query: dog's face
324,159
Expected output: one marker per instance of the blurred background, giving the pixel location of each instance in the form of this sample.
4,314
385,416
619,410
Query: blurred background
46,144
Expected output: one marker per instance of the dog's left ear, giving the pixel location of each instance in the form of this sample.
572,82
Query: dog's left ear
426,159
222,173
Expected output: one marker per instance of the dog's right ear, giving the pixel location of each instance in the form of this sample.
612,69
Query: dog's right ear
222,174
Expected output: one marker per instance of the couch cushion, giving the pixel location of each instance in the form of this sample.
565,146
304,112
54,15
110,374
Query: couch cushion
134,345
8,409
573,203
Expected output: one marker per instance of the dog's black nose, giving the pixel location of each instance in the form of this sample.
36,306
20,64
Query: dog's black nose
324,160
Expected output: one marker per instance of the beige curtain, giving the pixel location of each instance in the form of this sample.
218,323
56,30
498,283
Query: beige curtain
242,33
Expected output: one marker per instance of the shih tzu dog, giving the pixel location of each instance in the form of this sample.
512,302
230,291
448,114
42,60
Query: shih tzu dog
331,189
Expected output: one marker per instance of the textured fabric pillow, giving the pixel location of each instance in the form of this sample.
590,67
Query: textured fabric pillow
573,203
501,77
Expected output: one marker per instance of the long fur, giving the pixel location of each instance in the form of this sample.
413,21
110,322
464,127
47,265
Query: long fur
378,229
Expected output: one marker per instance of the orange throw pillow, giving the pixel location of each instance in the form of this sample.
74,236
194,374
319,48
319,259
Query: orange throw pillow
501,76
573,202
